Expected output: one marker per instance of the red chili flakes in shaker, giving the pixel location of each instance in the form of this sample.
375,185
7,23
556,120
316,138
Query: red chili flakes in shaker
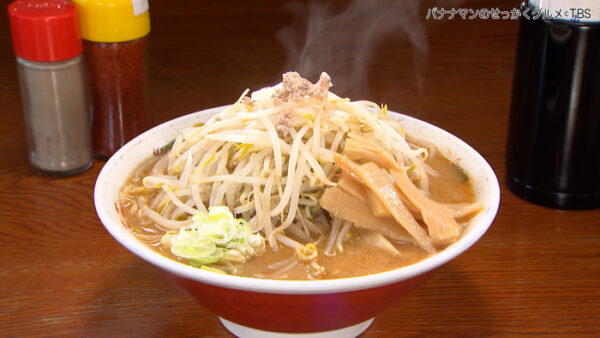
117,84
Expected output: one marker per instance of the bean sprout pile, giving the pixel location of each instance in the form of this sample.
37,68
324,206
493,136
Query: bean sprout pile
268,158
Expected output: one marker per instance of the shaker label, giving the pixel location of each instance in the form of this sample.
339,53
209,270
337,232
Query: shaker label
139,6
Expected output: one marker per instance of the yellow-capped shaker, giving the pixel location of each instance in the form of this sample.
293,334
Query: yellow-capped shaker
114,34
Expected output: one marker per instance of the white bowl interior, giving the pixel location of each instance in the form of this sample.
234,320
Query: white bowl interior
119,167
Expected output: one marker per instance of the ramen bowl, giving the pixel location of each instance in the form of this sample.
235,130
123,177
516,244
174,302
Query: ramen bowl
261,307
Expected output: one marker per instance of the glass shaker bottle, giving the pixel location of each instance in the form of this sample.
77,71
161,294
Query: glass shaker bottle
114,40
53,85
553,150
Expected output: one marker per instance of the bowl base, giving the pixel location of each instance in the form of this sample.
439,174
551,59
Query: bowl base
248,332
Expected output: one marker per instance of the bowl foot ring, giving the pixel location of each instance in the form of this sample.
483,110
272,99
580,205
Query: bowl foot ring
247,332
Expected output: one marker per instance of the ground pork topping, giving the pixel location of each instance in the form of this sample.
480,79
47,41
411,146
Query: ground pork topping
283,124
322,86
294,86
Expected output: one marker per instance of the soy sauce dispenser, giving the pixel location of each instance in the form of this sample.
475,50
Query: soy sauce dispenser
553,148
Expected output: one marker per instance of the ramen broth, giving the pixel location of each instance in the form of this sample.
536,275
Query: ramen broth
450,185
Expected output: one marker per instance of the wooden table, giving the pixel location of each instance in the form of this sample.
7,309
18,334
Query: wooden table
536,271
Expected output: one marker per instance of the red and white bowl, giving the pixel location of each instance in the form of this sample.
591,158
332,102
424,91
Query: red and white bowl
257,307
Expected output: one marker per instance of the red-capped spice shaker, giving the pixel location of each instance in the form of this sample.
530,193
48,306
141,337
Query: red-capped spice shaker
114,40
54,90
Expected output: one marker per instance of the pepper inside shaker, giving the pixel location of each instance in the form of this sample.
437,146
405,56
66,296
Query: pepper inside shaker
115,55
54,92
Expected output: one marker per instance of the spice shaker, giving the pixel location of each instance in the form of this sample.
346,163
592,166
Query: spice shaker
47,43
114,40
553,149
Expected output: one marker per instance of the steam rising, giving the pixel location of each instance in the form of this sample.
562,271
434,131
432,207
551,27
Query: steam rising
341,42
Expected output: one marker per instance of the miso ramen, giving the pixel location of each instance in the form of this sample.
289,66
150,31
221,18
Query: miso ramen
294,182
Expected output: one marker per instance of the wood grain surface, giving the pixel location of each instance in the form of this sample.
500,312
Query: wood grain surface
536,271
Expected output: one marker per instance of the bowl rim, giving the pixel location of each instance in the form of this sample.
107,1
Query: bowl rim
336,285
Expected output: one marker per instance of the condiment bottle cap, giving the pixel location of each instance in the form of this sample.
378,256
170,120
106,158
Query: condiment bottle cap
44,30
113,20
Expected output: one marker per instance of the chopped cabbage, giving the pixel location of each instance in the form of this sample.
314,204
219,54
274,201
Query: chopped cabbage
213,237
